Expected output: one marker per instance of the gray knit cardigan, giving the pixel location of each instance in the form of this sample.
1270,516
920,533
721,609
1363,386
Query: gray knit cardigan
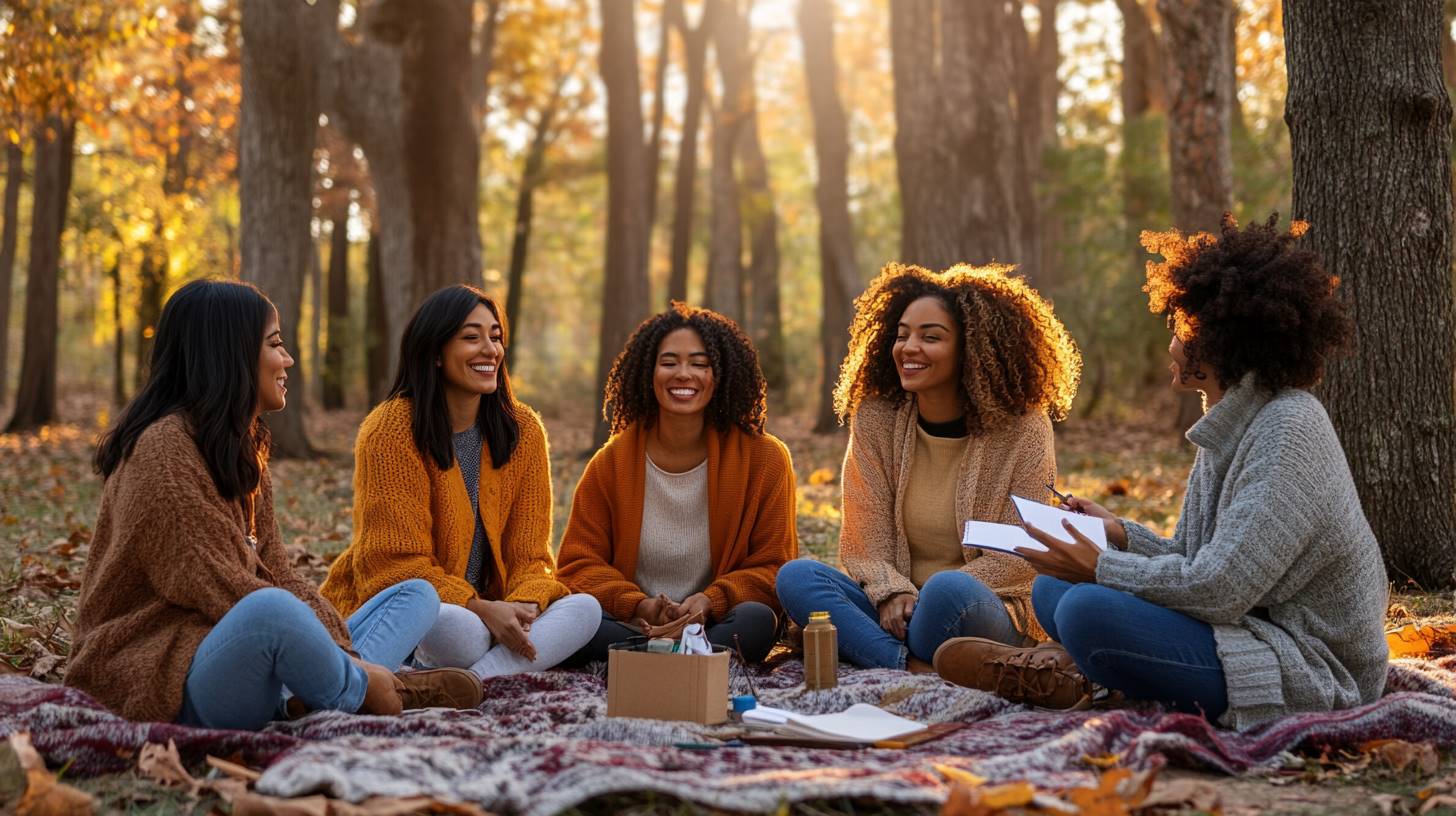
1273,550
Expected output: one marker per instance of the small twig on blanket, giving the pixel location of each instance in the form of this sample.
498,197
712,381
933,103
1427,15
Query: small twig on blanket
747,675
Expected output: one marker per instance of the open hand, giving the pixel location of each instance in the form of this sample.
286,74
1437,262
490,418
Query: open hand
1075,562
895,612
697,602
1116,533
503,621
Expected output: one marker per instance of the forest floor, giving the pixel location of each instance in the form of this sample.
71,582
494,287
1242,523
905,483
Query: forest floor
1135,465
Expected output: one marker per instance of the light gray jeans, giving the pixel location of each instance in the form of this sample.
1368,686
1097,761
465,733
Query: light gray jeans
459,638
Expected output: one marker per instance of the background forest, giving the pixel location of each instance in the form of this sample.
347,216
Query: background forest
588,161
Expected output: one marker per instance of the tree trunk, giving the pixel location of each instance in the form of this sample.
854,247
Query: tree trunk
35,397
1200,137
955,143
315,366
763,314
152,290
659,115
376,326
333,367
275,163
684,197
118,339
531,177
1144,101
625,296
839,277
1030,143
14,170
730,120
1370,133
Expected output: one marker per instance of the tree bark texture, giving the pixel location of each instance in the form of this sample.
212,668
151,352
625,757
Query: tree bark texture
659,114
151,292
1370,130
730,121
377,365
14,170
277,131
1200,146
1144,104
839,275
35,396
333,362
956,137
315,368
684,196
625,298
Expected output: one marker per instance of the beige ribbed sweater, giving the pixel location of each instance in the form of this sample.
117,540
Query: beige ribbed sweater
1017,457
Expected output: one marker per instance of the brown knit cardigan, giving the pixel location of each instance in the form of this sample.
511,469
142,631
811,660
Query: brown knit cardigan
168,560
1016,457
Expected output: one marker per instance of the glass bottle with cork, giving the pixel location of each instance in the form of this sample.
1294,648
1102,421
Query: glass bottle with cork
821,652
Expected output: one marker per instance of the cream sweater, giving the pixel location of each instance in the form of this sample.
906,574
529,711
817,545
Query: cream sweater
1016,457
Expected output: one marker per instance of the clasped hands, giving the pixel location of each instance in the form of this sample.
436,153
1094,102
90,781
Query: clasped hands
509,622
1075,561
659,609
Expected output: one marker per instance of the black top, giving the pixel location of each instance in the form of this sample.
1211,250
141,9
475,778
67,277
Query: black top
954,429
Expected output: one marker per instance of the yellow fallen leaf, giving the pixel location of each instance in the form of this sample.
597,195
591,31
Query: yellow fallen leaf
959,776
44,794
1102,760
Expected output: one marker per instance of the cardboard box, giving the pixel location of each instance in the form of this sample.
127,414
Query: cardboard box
660,686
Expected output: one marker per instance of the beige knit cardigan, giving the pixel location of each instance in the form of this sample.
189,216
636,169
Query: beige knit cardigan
1016,457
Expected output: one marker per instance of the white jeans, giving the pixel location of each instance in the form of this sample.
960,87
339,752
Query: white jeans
459,638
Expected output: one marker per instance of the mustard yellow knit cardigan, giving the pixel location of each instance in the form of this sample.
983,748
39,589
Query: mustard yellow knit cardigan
414,520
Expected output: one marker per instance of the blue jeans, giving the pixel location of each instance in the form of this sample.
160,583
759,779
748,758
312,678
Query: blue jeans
1123,642
951,604
271,639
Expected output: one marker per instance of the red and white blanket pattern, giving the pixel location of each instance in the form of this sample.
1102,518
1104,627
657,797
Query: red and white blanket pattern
542,743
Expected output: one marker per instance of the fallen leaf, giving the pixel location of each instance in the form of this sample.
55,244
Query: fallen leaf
1389,804
1399,754
233,770
897,695
821,476
253,804
1197,794
1102,760
44,794
960,776
163,765
1437,801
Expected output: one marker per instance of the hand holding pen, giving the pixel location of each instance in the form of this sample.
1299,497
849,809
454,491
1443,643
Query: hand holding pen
1116,533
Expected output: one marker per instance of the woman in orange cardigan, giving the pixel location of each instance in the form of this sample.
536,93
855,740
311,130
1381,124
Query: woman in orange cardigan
685,400
452,484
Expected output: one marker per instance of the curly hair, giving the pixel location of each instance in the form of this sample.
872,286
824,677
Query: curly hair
1017,355
739,392
1250,300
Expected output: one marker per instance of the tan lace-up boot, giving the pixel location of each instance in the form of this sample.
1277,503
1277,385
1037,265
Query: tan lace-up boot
439,688
1043,675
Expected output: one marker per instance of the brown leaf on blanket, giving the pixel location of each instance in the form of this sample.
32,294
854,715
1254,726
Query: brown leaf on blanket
897,695
44,795
1399,754
254,804
986,801
163,765
233,770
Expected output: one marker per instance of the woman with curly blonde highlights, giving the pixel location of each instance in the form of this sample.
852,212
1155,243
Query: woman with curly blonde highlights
950,387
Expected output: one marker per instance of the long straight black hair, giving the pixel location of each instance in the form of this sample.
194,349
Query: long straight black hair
204,365
433,325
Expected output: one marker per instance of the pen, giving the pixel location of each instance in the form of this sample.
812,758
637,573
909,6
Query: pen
1061,497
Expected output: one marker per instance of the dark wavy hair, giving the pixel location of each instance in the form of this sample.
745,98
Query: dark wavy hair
432,326
738,385
205,366
1017,355
1251,299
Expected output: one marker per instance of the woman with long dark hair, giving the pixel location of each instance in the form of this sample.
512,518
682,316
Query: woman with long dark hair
190,610
689,507
452,485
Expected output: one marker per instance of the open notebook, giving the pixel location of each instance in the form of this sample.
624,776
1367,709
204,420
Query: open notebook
988,535
860,722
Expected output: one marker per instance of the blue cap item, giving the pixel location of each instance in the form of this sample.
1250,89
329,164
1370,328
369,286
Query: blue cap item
744,702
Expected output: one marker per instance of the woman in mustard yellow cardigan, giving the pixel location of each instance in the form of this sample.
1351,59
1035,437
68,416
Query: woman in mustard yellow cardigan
452,484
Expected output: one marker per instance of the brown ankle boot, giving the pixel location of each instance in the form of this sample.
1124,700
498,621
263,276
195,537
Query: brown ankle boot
439,688
1043,675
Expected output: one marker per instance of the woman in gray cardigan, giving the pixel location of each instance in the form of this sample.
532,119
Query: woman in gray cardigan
1270,597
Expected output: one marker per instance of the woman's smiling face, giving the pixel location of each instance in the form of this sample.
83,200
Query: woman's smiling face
470,361
683,376
927,347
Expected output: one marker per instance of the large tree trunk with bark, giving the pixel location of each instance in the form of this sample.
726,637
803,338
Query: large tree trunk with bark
1200,124
1370,131
684,198
377,366
659,115
625,295
956,140
151,292
277,132
839,276
338,287
35,397
14,169
532,174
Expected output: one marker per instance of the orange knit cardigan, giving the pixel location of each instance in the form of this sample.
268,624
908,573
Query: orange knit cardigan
751,520
414,520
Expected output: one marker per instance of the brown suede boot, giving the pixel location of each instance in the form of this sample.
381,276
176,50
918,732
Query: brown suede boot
1043,675
439,688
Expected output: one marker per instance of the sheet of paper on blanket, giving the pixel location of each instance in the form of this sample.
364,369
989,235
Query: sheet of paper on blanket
860,722
1008,537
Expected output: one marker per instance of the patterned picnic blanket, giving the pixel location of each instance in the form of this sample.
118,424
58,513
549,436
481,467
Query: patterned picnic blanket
542,743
